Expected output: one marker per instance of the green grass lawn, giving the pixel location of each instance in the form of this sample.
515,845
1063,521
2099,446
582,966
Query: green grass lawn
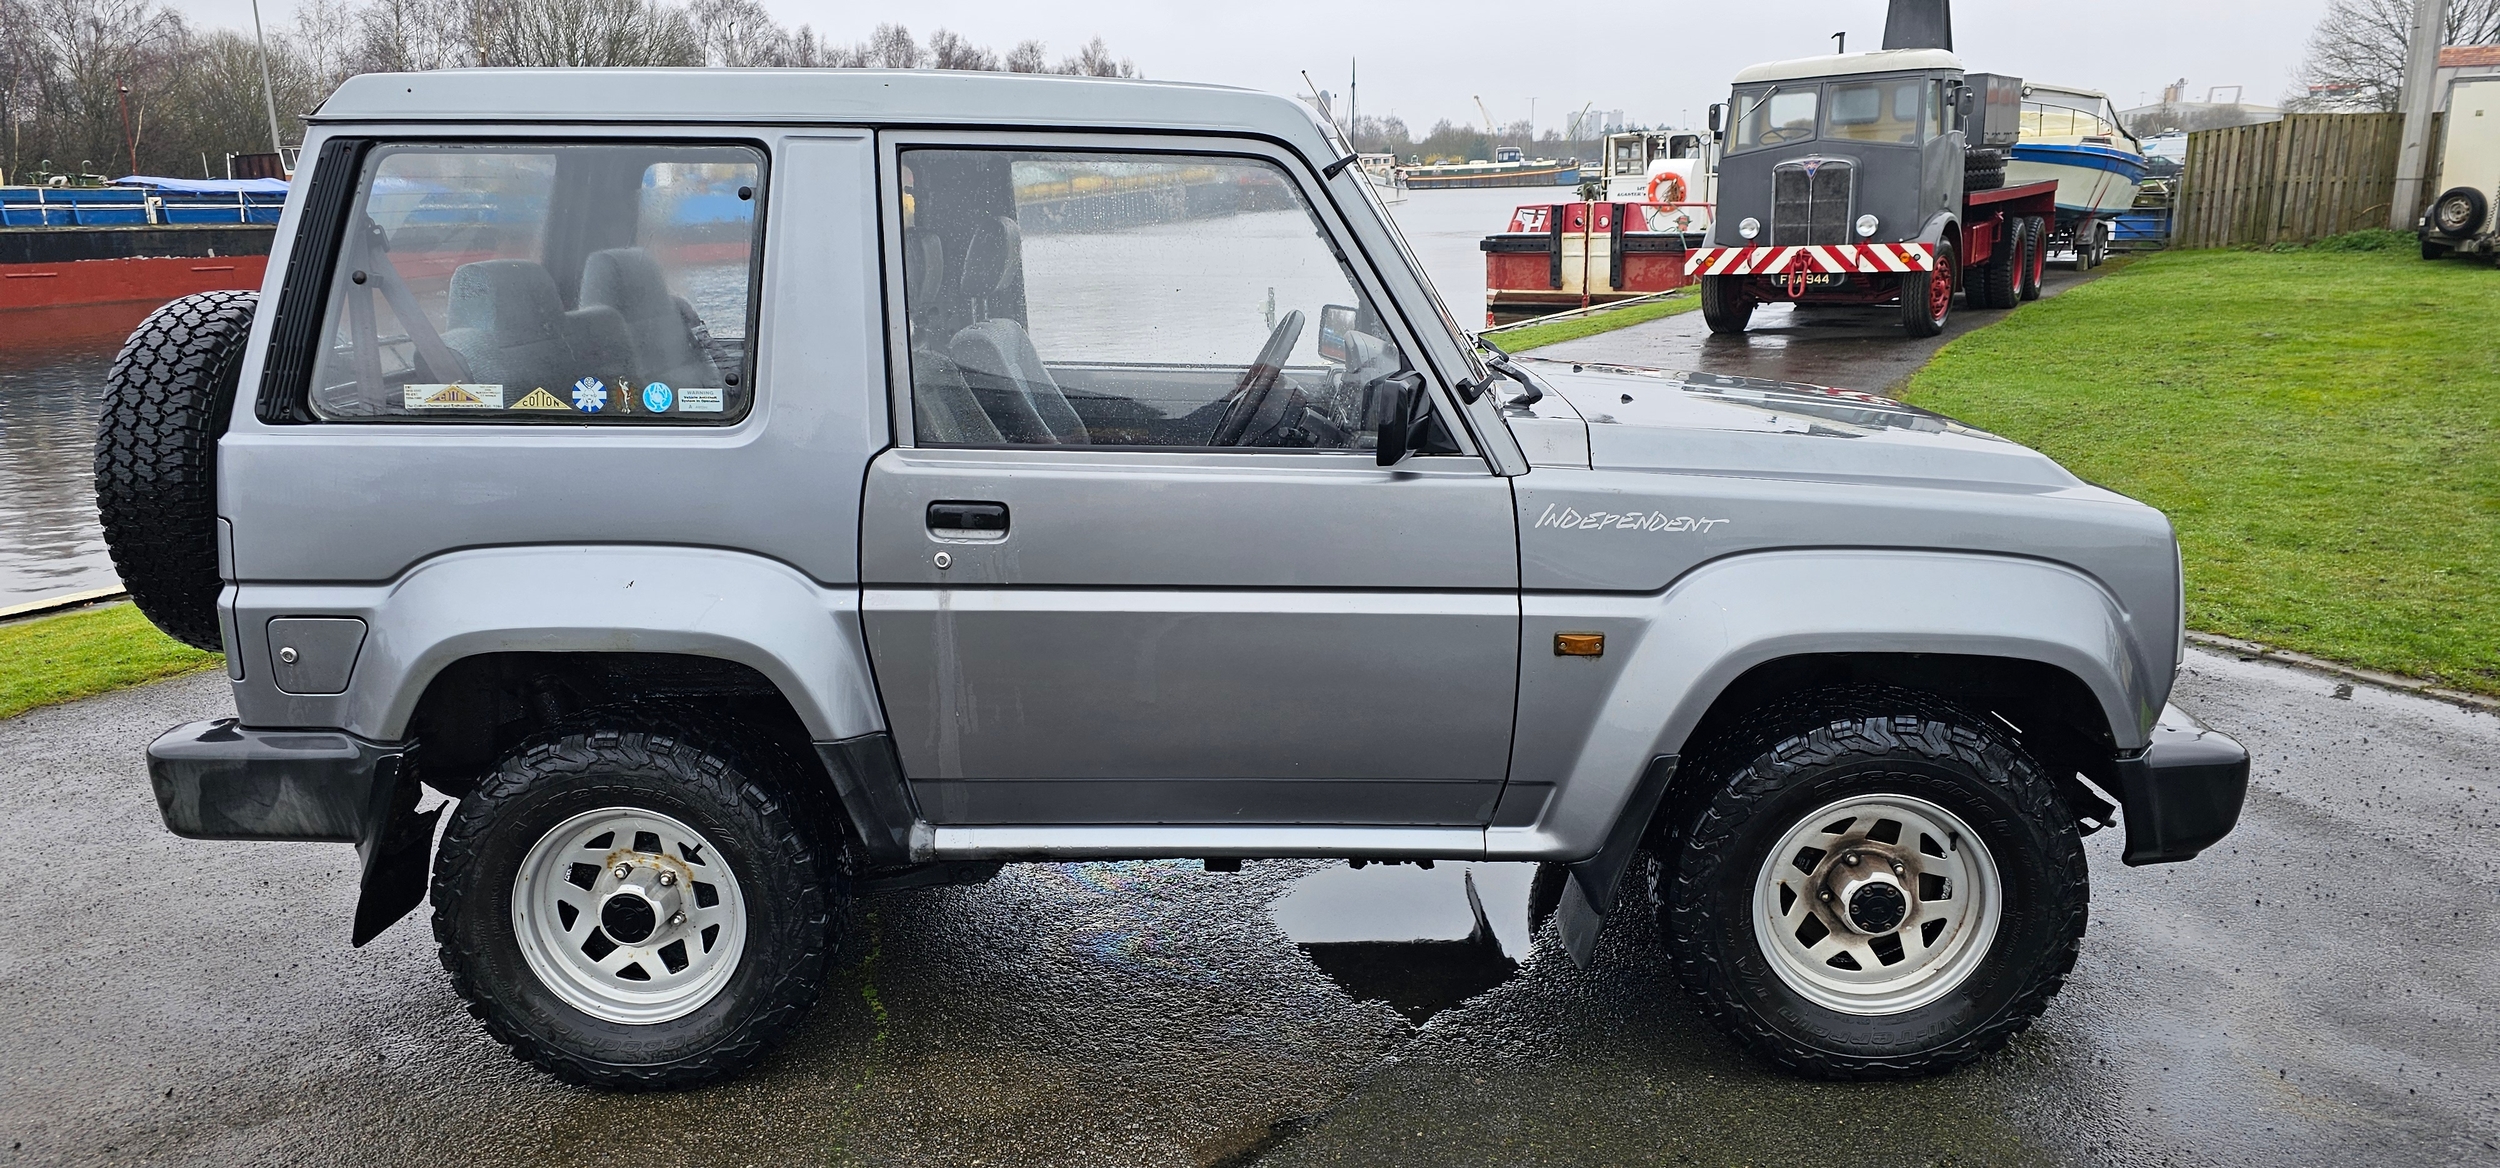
80,654
2323,426
1520,340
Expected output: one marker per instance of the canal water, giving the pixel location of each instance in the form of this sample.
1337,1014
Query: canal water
53,361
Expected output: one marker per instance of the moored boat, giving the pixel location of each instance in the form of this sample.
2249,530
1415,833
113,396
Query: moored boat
2074,137
1559,256
1510,167
1676,170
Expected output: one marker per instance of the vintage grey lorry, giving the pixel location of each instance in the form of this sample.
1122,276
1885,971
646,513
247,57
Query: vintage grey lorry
740,491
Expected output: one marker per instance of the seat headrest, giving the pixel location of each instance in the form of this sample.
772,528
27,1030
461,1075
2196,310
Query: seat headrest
993,258
513,299
628,280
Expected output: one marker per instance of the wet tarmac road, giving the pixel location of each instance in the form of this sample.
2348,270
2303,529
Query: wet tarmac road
1849,348
2317,990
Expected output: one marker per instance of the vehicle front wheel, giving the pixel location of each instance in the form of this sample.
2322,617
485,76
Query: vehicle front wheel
632,904
1927,297
1880,895
1725,306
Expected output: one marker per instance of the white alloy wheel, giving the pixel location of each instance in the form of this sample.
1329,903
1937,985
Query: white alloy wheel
629,915
1877,904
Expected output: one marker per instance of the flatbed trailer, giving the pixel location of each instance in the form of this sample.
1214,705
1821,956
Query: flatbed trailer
1993,253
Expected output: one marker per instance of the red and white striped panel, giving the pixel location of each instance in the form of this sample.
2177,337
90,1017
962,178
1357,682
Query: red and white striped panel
1820,257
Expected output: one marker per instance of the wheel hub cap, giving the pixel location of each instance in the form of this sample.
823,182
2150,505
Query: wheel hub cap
629,915
1877,904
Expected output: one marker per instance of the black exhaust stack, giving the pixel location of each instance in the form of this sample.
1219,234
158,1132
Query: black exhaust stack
1919,24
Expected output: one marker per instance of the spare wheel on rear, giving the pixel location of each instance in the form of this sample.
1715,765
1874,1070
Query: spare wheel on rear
165,405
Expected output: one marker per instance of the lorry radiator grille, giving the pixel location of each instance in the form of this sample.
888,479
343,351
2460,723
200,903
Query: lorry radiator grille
1810,205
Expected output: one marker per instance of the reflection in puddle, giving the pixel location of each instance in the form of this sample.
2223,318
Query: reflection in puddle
1420,940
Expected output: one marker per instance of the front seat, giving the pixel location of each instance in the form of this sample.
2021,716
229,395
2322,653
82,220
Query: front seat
658,323
996,356
509,326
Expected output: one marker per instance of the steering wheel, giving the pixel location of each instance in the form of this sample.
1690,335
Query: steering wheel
1776,134
1251,412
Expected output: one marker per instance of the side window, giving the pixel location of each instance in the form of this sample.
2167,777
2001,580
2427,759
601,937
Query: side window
576,284
1151,300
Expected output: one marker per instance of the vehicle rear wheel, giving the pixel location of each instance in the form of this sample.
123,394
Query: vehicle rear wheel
629,903
1874,895
1927,297
165,404
2035,263
2432,249
1998,283
1725,305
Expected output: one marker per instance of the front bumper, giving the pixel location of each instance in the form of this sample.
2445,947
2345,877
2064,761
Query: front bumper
2182,792
1836,258
223,781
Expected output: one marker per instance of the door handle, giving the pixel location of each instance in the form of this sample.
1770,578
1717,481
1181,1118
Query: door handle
968,518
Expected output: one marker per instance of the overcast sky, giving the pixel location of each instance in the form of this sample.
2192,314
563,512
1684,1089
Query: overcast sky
1661,63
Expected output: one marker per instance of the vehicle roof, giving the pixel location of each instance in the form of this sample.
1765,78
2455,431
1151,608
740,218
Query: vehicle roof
855,96
1847,64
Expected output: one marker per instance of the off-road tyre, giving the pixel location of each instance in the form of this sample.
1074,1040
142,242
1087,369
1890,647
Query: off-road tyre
2433,250
1983,168
735,788
2035,259
1725,305
1924,312
2459,212
1997,284
1787,760
165,405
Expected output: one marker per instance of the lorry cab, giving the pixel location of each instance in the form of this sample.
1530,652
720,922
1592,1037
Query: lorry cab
1854,148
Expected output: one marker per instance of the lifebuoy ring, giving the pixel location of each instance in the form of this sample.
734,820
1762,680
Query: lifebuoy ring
1674,184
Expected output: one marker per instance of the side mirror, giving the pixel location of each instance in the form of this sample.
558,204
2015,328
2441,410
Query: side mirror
1718,117
1966,102
1335,322
1405,418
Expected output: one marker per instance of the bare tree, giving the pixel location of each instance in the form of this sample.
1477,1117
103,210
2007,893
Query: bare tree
890,47
590,34
2357,55
406,36
950,51
1095,61
740,34
1028,57
106,65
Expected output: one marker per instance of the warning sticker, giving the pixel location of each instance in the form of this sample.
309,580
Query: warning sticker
691,400
540,399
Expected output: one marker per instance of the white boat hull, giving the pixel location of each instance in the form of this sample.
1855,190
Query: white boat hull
2091,180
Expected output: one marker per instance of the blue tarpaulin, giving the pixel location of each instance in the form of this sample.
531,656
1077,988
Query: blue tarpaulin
206,186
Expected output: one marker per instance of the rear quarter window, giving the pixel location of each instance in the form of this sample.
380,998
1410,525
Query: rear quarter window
589,284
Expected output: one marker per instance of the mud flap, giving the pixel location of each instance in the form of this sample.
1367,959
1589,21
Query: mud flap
395,846
1590,892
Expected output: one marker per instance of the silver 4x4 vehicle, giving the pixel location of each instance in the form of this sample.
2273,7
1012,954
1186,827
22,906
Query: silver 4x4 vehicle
740,491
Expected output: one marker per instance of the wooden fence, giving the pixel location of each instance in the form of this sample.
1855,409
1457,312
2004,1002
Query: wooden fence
2301,179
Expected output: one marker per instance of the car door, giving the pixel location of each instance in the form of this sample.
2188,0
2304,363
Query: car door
1136,562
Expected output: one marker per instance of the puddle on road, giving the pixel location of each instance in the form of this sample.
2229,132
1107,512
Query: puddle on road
1420,940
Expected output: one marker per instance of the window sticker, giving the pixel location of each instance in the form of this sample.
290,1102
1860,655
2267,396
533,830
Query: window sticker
590,395
452,397
693,400
540,399
655,397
